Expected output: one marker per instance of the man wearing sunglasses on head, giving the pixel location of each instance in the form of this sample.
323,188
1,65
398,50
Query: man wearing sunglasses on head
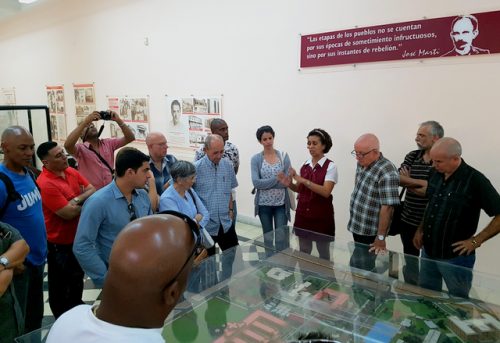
109,209
148,271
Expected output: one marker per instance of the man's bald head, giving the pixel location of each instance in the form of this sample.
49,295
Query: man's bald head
367,149
446,155
368,140
449,146
219,127
214,124
153,137
14,131
18,147
157,145
147,272
214,147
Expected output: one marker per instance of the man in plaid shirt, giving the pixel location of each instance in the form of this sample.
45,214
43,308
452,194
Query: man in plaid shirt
372,201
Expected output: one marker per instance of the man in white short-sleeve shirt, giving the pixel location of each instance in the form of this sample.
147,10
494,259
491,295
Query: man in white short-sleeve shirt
148,270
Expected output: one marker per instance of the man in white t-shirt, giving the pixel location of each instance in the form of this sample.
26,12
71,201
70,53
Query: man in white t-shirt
148,271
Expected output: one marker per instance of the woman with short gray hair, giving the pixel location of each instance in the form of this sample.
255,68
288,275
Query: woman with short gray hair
181,197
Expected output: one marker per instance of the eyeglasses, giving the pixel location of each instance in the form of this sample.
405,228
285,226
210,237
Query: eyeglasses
361,154
131,211
161,144
195,229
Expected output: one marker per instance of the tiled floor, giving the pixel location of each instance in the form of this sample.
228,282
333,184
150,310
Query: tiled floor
250,253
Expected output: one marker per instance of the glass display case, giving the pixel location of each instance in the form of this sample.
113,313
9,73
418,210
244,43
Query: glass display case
268,290
290,293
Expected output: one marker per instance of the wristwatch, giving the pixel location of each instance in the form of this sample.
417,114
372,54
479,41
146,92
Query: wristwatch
76,200
4,261
381,237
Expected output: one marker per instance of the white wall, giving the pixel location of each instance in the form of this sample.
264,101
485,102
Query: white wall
249,51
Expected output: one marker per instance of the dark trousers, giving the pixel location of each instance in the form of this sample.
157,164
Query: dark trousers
225,240
411,269
361,258
65,278
29,292
305,245
456,272
205,276
11,318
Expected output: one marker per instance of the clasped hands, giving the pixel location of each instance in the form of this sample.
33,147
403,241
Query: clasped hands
285,179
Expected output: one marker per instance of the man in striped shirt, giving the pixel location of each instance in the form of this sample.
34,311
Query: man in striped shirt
414,172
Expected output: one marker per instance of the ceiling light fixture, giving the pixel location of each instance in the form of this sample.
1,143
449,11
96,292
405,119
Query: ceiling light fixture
27,1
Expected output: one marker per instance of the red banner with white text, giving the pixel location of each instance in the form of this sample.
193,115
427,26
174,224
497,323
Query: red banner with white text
462,35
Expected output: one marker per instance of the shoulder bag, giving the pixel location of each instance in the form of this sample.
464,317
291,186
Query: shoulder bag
291,194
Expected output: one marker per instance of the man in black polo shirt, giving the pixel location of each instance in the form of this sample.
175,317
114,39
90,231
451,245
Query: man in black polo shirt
413,175
457,193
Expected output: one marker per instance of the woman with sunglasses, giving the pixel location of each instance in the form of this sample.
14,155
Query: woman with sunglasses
272,202
314,185
181,197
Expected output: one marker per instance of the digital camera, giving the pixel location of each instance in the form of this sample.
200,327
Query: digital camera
105,115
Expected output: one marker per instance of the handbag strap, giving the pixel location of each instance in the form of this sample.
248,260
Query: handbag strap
194,199
402,193
102,159
283,155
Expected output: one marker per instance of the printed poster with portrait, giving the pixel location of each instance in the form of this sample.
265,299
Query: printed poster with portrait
57,110
135,113
189,119
84,100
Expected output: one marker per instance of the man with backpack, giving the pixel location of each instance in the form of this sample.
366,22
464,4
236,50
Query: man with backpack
21,207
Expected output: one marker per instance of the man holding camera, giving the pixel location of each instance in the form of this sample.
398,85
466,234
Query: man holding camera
96,156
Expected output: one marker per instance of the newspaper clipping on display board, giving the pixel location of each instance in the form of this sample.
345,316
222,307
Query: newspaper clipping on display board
57,110
84,100
135,113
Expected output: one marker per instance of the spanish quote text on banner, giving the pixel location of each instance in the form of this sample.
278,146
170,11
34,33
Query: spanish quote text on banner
440,37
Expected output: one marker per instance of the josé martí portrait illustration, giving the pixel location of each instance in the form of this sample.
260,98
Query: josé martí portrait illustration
464,29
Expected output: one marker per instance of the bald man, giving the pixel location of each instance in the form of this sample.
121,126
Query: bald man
26,215
372,201
160,162
457,193
219,127
148,272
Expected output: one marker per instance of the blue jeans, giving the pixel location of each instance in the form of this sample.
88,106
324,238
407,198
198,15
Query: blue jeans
268,214
457,279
